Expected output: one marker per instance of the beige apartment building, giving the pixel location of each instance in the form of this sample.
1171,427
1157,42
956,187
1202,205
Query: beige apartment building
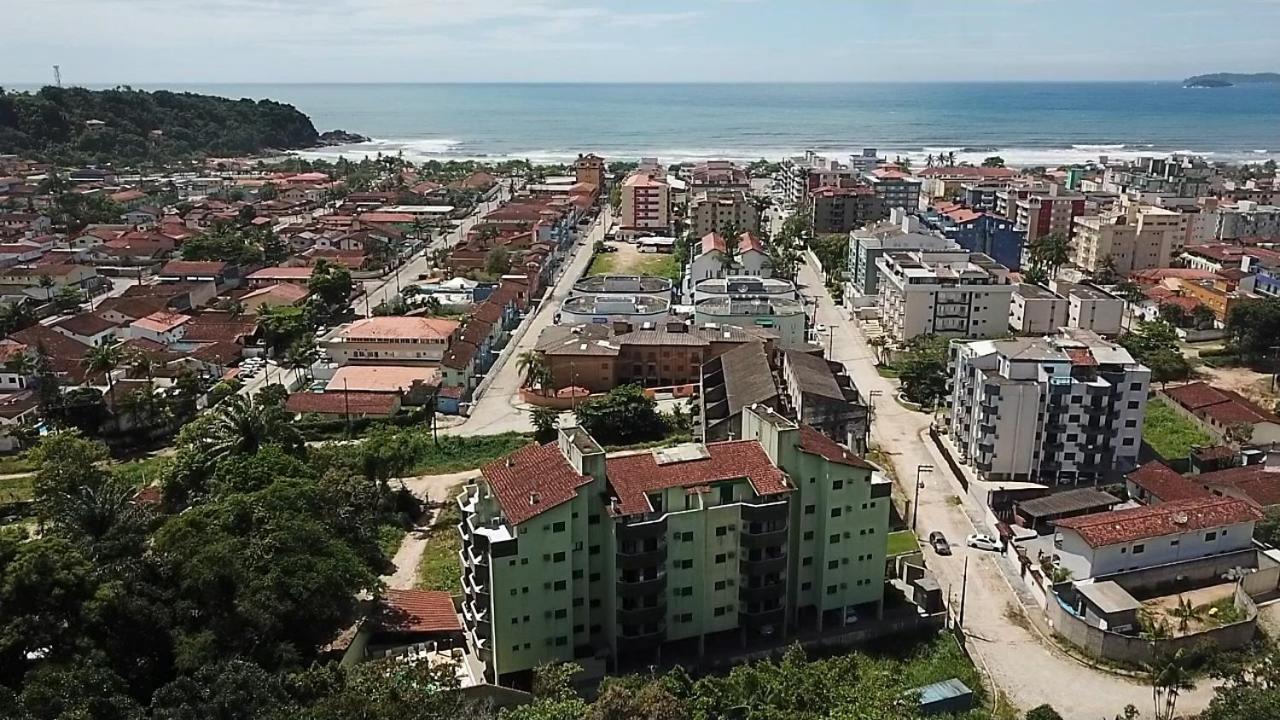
1137,237
716,211
949,293
646,204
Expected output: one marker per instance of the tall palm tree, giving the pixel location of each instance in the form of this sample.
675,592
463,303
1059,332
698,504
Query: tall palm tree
928,161
302,355
104,359
142,363
47,283
240,426
951,158
1169,679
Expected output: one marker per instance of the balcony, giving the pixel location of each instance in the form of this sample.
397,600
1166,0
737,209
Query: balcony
634,639
763,593
763,566
760,618
764,538
642,530
647,586
765,512
642,559
642,615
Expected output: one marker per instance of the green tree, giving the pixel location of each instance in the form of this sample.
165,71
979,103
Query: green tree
1155,344
283,325
535,367
497,261
233,689
1168,365
624,415
1253,326
1047,254
241,426
1169,679
331,285
67,462
545,420
273,395
302,354
922,368
995,161
80,689
104,359
68,298
1174,315
1043,712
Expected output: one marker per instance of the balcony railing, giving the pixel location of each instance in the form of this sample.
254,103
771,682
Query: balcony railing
763,566
647,586
764,538
642,559
762,593
642,615
765,512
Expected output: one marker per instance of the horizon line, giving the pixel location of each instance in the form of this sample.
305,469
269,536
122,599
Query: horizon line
14,83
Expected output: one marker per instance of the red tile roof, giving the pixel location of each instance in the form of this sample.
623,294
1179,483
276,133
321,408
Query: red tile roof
418,611
1152,521
632,476
1195,395
340,403
980,173
1227,407
1165,483
532,480
179,268
1255,482
814,442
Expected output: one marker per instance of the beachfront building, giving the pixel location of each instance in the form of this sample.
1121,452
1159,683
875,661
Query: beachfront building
714,259
615,561
895,188
1137,237
803,174
646,204
950,293
589,169
722,211
1052,212
902,232
1248,219
1054,410
719,176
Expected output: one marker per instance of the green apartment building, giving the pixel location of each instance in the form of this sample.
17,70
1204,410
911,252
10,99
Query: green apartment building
616,561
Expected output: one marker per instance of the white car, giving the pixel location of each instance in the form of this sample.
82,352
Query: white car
982,542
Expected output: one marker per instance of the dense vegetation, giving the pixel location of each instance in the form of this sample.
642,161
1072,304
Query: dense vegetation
50,124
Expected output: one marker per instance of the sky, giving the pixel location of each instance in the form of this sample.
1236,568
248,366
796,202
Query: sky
276,41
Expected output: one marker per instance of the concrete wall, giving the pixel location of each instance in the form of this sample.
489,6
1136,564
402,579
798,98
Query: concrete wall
1134,650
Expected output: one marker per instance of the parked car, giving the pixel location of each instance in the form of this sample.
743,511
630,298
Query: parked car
939,543
982,542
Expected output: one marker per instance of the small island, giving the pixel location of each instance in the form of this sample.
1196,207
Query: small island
1222,80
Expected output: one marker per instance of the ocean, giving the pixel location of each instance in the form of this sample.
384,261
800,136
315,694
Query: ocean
1025,123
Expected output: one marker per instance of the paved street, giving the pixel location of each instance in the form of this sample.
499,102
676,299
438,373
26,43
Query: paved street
497,410
383,289
1022,663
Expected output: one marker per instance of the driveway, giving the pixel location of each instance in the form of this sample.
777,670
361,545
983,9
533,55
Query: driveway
1020,662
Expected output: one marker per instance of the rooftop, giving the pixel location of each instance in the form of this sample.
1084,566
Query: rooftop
627,284
342,403
418,611
399,328
730,306
616,305
532,480
814,442
1258,484
382,378
632,477
1065,503
162,321
1153,521
1165,483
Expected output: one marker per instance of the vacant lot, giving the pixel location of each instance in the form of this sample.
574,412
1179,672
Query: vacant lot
628,260
1170,434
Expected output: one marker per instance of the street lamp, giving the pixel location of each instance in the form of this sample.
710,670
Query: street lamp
915,508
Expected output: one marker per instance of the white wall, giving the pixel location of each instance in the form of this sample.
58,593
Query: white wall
1084,561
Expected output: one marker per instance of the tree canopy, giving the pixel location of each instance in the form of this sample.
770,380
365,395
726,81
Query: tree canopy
922,367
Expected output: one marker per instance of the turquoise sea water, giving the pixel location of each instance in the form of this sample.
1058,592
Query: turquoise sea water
1027,123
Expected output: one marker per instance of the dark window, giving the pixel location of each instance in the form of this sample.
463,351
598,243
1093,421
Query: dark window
593,550
719,585
808,534
833,564
722,531
720,558
837,485
831,589
562,614
560,585
835,538
835,512
595,577
558,557
557,527
810,509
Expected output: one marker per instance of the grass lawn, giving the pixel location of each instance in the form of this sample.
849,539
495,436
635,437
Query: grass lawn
887,371
389,539
141,472
660,265
602,264
902,542
14,464
455,454
439,568
1169,434
16,489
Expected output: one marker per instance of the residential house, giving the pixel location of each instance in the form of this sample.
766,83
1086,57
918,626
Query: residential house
391,340
91,329
162,327
1225,414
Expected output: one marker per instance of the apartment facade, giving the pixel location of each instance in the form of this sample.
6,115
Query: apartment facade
1248,219
1138,237
1050,213
646,204
895,188
391,340
609,561
901,232
722,210
1057,410
842,209
948,293
1036,310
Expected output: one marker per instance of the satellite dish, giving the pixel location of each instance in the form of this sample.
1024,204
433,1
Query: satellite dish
1180,518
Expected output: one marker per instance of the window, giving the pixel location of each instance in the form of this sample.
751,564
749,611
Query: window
719,585
1133,404
831,589
685,564
806,562
524,561
562,614
594,577
685,591
557,527
1139,549
835,538
1127,441
577,629
1131,423
1135,386
837,485
808,534
722,531
806,586
560,585
720,558
719,611
1174,543
833,564
577,574
578,602
835,512
687,537
684,618
596,629
593,519
810,509
1210,536
558,557
595,604
562,641
593,550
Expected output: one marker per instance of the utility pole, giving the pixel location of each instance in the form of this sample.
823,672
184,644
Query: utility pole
964,590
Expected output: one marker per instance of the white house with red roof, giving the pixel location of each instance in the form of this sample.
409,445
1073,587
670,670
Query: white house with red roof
749,257
1151,535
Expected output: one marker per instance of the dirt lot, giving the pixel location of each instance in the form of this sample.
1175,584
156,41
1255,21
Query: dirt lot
1252,384
1166,607
628,260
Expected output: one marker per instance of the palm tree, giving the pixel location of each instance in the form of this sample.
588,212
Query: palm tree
240,426
433,305
533,363
951,158
928,161
47,283
104,359
302,355
1168,680
140,362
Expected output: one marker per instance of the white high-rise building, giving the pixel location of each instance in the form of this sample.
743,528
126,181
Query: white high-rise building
950,293
1055,410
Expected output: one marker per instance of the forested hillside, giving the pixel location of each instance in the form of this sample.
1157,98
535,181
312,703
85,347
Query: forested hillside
52,124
